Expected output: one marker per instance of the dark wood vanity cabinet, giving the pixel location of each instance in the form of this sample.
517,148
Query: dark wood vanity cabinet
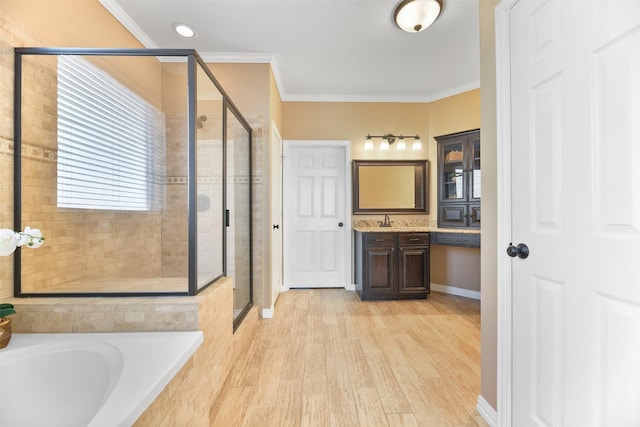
392,265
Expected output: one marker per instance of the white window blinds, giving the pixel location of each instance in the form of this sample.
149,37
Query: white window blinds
111,142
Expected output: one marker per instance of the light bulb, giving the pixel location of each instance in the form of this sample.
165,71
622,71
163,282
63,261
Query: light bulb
417,145
401,144
384,145
368,144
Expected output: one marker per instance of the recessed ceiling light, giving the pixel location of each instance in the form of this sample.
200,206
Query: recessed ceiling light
184,30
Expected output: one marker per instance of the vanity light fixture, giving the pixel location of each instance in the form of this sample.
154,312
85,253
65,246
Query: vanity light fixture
184,30
414,16
389,139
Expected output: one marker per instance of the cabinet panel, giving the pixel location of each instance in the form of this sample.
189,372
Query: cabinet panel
452,216
474,215
414,269
380,239
380,271
456,239
413,239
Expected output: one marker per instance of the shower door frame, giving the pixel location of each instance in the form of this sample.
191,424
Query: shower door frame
192,60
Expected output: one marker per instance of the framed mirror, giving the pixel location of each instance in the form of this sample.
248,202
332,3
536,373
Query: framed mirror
390,186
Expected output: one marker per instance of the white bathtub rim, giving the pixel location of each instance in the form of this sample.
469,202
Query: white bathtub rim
142,379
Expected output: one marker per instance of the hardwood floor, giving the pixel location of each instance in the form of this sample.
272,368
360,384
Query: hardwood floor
329,359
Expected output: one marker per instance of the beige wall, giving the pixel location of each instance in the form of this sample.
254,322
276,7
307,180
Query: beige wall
247,85
489,276
353,121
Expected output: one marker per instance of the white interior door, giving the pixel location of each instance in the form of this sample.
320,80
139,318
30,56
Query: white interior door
575,202
316,219
276,213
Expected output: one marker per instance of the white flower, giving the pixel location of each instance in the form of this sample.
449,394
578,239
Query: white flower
8,241
33,239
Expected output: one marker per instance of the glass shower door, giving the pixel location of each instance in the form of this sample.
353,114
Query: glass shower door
209,185
239,214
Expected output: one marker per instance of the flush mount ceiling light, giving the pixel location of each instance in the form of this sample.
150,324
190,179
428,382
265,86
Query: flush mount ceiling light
413,16
184,30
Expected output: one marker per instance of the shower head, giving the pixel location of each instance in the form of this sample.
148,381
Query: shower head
200,121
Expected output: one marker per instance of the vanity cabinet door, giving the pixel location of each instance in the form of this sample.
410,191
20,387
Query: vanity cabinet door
413,263
380,272
414,269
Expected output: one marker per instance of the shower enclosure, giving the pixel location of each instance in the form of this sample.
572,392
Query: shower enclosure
136,166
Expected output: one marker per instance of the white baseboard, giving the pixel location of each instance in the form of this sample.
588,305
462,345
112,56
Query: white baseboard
461,292
487,412
267,313
350,287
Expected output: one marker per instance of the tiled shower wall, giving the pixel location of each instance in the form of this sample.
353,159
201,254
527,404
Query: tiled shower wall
81,244
10,36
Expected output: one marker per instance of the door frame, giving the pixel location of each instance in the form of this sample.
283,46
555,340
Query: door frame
287,144
504,272
276,286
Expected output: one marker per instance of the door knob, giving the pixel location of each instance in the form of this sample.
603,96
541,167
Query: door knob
520,251
340,224
276,226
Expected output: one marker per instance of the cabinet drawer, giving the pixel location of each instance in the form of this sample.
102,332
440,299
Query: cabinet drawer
414,239
456,239
379,239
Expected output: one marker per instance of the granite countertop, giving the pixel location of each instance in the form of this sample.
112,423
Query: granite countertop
412,229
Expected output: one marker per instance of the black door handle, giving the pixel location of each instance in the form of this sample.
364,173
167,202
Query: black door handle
520,251
340,224
276,226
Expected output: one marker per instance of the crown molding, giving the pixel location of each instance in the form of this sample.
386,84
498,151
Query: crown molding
453,91
238,57
128,23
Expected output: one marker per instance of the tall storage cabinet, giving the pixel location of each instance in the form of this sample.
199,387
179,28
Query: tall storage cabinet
459,184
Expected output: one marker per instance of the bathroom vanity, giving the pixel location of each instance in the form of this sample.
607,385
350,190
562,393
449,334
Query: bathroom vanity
392,258
392,265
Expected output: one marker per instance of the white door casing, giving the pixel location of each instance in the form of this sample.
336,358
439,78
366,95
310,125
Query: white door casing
569,135
276,214
316,217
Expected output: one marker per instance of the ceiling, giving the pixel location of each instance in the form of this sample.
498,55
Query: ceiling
322,50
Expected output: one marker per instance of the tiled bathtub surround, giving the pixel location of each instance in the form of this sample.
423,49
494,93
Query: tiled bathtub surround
39,315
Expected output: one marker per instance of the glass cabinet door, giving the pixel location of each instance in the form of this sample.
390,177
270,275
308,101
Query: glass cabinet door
453,172
475,171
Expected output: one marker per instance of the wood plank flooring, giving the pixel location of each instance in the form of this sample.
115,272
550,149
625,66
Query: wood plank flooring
329,359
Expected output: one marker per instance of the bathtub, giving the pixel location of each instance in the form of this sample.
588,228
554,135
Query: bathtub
93,379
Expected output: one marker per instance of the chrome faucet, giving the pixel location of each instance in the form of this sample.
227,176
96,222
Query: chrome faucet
386,222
